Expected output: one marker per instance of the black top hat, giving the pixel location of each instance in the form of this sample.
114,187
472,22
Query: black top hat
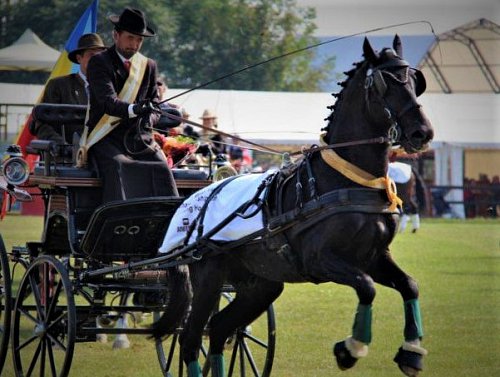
86,42
133,21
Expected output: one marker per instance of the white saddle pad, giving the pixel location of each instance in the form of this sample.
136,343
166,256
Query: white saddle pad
237,192
399,172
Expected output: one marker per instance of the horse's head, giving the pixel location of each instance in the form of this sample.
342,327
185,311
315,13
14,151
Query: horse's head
391,91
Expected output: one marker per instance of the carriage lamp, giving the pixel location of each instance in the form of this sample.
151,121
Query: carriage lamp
16,171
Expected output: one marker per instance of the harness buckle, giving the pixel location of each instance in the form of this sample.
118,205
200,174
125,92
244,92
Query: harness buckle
394,134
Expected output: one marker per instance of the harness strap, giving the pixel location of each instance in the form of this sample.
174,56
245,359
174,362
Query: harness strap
201,215
310,177
341,200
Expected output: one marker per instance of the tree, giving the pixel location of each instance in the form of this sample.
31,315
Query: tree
217,37
198,40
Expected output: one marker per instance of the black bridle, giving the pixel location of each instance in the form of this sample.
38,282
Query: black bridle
375,77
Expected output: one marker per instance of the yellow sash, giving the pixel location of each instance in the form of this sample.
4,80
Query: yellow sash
108,123
360,176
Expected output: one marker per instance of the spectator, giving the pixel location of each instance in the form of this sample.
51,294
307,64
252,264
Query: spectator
166,124
216,144
239,157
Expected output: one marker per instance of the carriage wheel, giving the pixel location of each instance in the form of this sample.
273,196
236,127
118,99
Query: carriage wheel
250,351
44,323
5,303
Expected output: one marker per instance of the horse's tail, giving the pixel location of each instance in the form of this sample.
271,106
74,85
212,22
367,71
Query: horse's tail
179,300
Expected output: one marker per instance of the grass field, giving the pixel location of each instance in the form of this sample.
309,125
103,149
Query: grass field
457,265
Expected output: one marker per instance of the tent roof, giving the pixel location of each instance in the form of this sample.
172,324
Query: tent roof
465,59
470,120
28,53
466,119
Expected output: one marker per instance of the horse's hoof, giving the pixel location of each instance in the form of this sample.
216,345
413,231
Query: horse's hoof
101,338
343,356
409,362
120,344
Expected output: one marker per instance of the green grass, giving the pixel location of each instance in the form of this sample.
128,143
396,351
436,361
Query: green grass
457,266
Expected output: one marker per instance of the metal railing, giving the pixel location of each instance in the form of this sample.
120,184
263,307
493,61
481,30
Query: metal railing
12,117
479,200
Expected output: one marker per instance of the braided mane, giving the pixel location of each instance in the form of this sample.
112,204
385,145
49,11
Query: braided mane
335,108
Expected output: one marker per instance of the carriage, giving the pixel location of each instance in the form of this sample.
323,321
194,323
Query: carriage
76,281
329,217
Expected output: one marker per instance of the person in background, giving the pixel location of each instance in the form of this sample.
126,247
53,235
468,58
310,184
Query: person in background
239,157
123,84
70,89
166,125
215,143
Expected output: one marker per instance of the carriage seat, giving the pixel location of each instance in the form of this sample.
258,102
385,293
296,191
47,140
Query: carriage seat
58,115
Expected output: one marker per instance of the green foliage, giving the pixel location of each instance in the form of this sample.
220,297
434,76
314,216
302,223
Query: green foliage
197,40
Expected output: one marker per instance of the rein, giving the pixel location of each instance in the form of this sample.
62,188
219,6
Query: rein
316,148
173,116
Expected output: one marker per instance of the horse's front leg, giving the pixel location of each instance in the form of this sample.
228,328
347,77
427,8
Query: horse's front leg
337,270
410,354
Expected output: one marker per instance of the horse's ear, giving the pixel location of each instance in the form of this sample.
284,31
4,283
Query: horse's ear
368,52
397,46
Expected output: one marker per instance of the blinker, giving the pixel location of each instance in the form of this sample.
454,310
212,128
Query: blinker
421,84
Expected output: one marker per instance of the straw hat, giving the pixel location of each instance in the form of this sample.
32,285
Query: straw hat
208,114
184,113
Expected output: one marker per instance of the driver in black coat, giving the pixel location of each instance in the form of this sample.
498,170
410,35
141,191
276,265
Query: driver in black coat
123,89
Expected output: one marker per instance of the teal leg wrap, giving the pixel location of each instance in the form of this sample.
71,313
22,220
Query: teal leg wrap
362,328
217,365
413,320
194,369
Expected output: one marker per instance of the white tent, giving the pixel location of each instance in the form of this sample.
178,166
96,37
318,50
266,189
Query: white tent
28,53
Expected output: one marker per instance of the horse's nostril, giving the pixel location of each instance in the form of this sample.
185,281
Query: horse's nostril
423,136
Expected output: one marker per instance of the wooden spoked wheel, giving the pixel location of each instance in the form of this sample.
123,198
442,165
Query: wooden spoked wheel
249,352
44,320
5,303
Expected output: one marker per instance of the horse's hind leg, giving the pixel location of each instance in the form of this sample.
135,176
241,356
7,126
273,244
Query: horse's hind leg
409,356
206,279
253,297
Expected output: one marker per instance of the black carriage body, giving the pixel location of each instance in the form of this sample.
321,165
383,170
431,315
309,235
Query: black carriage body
116,231
132,229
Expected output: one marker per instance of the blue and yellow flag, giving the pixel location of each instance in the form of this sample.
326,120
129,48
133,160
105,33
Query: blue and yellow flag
86,24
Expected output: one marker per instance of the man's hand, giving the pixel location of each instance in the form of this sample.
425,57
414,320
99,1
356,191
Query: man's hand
145,107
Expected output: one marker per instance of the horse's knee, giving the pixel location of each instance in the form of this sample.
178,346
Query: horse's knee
365,289
409,289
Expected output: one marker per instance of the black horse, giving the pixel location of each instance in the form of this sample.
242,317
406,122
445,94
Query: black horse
331,218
